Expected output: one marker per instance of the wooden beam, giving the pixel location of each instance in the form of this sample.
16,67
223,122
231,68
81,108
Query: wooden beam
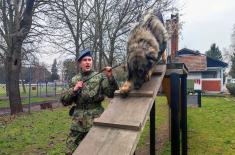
125,113
108,141
117,130
136,93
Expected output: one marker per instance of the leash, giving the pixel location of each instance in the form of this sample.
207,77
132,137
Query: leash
84,81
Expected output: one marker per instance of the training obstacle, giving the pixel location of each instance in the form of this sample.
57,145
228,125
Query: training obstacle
117,130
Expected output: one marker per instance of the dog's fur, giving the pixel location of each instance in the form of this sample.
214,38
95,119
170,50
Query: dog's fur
144,44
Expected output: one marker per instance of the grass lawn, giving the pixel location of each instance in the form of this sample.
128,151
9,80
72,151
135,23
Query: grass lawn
211,129
5,103
39,133
161,117
45,132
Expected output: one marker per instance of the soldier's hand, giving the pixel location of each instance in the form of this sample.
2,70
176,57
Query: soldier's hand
78,86
108,71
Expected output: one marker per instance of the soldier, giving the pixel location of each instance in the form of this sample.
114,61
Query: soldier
87,98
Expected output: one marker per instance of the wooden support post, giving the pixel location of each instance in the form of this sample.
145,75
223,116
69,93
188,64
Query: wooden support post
175,130
184,113
152,130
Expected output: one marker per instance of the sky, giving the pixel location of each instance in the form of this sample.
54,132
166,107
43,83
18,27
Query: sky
206,22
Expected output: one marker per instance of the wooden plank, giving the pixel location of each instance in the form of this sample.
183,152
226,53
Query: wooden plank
108,141
179,68
131,112
135,93
109,135
178,71
125,113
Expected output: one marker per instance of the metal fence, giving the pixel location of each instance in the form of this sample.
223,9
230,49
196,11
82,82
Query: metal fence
39,89
35,94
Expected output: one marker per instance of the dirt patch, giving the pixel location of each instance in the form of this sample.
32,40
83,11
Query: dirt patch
162,136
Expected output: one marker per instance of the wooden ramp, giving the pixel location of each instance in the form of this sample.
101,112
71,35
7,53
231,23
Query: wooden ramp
117,130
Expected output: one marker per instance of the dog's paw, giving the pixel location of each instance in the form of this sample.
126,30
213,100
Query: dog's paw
124,92
147,77
125,89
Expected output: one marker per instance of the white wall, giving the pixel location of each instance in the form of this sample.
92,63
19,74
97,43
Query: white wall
194,76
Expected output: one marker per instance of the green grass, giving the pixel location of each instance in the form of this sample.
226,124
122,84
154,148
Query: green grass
39,133
45,132
161,117
5,103
211,128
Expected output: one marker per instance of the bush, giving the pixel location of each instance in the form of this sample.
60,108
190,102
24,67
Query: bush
231,88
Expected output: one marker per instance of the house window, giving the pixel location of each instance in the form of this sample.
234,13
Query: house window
209,74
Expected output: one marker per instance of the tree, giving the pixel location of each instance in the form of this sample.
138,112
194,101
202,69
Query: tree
54,71
99,25
214,52
232,70
231,54
233,39
69,69
15,24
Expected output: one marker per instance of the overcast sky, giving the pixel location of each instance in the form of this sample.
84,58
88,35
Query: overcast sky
206,22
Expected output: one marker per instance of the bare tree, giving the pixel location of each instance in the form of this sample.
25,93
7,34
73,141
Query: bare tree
15,24
100,25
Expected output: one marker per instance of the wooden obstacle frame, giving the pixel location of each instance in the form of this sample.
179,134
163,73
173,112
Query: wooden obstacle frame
117,130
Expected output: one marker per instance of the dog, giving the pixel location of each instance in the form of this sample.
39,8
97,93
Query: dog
146,45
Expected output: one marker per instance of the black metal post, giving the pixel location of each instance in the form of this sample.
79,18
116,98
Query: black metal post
199,98
29,88
184,114
55,88
174,104
152,130
46,88
37,88
40,91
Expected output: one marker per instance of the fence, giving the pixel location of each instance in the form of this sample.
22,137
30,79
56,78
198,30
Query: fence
33,95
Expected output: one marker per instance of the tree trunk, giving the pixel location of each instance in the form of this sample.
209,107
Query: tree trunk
7,85
112,48
13,73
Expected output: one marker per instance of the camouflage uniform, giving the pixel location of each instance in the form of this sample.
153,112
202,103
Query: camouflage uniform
88,104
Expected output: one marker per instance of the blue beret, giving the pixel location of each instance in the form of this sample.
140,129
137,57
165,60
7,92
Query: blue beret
84,53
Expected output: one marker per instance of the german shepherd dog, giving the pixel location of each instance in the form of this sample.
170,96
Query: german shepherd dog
146,45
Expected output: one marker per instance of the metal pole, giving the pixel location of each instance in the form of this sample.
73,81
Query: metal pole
55,88
175,133
46,88
40,91
29,88
152,130
199,98
37,88
184,114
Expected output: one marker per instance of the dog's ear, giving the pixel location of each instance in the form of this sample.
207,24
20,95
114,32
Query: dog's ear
150,56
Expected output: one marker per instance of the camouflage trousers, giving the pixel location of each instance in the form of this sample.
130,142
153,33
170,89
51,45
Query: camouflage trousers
73,140
82,121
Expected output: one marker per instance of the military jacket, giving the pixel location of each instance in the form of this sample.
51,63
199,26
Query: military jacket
88,100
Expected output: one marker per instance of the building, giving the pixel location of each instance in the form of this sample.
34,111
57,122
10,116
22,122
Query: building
208,71
204,72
